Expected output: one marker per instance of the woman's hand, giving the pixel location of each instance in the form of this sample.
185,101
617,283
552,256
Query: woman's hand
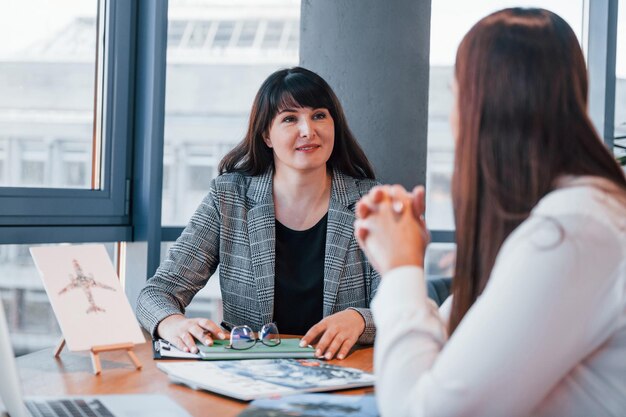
390,227
336,334
369,203
182,332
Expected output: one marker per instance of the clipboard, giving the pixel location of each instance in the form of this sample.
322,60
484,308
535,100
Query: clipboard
287,349
162,349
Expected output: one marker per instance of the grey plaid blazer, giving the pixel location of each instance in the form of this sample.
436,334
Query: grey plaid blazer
234,227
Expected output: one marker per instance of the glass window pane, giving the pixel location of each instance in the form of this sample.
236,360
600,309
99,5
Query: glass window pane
224,33
273,34
293,41
175,31
248,33
199,34
48,82
32,323
451,19
440,260
209,90
620,84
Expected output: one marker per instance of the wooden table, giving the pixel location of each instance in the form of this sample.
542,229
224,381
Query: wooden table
71,374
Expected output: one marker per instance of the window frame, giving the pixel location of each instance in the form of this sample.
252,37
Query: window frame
23,207
599,44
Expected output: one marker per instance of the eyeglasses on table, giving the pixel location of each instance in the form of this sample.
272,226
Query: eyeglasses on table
242,337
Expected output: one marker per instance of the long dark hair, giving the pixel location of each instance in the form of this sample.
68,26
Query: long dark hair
522,100
294,87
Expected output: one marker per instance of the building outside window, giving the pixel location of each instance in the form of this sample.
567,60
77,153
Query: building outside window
219,53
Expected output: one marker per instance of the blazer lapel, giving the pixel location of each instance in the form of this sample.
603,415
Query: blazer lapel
262,236
339,233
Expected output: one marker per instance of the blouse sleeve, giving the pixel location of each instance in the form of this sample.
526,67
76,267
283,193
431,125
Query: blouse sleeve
509,350
186,269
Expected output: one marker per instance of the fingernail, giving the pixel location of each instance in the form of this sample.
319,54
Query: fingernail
329,355
302,343
340,356
221,335
185,349
207,342
318,352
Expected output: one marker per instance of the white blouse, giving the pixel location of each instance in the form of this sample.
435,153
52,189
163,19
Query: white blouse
546,338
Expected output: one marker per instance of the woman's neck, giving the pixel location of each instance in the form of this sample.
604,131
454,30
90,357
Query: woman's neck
301,199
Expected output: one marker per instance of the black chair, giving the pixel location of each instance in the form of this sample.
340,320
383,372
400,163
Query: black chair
438,288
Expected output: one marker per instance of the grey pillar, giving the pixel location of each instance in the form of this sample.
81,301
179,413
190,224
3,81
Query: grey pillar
375,55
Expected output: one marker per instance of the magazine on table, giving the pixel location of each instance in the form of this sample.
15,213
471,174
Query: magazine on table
262,378
288,348
313,405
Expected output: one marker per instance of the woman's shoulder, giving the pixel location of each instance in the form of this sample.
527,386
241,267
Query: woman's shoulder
236,187
585,209
232,182
364,185
591,197
361,185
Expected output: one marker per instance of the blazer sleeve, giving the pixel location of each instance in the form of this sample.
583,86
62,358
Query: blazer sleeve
372,278
371,281
188,266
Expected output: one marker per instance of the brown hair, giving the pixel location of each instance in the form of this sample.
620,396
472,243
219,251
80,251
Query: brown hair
295,87
522,100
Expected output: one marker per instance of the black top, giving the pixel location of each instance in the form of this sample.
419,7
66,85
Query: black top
299,277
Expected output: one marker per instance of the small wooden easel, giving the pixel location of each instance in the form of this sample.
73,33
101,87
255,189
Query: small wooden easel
96,350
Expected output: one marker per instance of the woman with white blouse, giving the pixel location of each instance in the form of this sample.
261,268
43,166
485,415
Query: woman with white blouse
536,324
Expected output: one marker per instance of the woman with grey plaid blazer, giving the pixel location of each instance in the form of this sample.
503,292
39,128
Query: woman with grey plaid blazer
279,223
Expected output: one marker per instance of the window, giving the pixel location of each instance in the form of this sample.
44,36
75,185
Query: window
273,34
75,162
450,20
48,80
64,140
63,118
224,33
620,84
440,260
32,158
209,89
199,34
247,33
3,162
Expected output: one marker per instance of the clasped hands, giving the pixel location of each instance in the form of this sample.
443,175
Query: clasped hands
390,227
333,336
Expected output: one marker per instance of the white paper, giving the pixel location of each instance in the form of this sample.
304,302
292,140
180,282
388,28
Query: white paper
86,296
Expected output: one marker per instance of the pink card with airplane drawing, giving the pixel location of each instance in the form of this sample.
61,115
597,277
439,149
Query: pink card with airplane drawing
86,296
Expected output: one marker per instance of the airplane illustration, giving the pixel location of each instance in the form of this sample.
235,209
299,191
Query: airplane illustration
85,282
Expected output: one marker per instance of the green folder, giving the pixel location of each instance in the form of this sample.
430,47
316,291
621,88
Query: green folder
288,348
